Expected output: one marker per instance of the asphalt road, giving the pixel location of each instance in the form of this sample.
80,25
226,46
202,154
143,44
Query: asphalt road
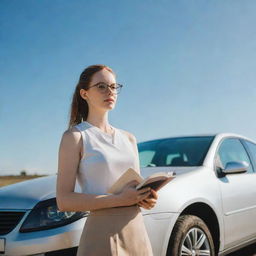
247,251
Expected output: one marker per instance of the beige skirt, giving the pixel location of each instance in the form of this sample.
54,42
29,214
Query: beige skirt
118,231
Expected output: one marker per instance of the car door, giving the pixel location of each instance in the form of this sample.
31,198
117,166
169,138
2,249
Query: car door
238,194
251,149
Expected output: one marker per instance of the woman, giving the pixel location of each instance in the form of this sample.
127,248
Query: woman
96,153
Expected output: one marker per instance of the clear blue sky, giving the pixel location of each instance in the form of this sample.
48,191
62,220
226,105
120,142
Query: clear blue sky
188,67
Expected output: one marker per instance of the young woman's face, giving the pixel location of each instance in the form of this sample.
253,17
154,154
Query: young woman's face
95,97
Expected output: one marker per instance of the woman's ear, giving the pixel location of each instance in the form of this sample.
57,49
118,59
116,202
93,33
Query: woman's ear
83,94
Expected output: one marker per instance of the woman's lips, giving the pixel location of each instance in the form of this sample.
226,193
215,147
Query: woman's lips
109,100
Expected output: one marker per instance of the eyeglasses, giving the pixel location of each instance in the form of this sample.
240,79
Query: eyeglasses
103,87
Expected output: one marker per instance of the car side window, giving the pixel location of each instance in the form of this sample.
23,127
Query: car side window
252,148
232,150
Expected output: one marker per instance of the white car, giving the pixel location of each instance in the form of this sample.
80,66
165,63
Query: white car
208,209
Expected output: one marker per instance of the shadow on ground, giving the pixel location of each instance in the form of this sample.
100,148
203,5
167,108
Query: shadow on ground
247,251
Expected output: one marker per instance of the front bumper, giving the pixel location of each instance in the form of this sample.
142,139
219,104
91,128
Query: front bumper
46,242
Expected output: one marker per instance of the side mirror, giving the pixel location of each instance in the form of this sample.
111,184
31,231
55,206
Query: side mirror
235,167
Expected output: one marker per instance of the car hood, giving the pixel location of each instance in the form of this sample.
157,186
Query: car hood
147,171
25,194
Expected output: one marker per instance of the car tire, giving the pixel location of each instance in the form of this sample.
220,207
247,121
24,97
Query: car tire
190,236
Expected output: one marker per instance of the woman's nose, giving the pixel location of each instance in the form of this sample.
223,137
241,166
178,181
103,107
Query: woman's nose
110,91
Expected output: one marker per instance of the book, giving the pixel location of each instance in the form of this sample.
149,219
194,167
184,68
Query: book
154,181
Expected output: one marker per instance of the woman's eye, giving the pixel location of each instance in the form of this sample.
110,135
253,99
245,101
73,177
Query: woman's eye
101,86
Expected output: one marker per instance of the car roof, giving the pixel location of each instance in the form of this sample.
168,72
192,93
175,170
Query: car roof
217,135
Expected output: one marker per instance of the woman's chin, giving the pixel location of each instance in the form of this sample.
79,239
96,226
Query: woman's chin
110,106
106,108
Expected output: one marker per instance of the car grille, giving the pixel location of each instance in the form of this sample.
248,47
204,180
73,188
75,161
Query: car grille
9,220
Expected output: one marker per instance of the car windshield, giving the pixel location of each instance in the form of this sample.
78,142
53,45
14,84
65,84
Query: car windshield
180,151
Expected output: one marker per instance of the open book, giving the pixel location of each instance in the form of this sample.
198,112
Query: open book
155,181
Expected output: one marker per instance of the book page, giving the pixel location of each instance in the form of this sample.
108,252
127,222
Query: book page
126,177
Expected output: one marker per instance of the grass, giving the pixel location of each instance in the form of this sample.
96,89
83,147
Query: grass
11,179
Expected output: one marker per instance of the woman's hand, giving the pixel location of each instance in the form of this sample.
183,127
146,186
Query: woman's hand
130,195
149,202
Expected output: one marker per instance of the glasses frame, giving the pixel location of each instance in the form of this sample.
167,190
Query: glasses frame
109,86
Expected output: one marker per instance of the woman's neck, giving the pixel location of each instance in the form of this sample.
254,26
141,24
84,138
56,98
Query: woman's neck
99,120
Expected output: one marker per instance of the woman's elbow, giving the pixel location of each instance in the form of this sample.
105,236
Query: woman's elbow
60,203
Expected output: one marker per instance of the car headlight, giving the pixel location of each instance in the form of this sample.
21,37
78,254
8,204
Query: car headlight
45,215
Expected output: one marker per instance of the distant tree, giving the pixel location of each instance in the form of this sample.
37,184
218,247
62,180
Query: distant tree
23,173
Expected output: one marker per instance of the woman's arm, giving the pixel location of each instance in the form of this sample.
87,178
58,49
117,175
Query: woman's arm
68,200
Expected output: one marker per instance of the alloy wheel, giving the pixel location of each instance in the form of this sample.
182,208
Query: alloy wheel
195,243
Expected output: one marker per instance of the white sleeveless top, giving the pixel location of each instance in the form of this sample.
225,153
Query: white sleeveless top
106,157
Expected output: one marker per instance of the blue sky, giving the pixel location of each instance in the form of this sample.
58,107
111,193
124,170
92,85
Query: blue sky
188,67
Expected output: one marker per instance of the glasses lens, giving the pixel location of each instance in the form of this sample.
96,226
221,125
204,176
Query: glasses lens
115,88
102,87
118,88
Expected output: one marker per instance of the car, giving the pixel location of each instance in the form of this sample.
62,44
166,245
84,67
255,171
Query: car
208,209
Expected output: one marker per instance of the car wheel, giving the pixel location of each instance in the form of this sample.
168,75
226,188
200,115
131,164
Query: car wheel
191,237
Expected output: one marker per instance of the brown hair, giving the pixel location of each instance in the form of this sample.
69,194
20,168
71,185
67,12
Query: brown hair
79,107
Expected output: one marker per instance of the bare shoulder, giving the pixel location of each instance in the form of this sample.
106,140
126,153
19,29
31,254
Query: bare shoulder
72,141
71,135
130,136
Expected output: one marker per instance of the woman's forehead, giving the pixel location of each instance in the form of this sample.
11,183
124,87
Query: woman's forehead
103,76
